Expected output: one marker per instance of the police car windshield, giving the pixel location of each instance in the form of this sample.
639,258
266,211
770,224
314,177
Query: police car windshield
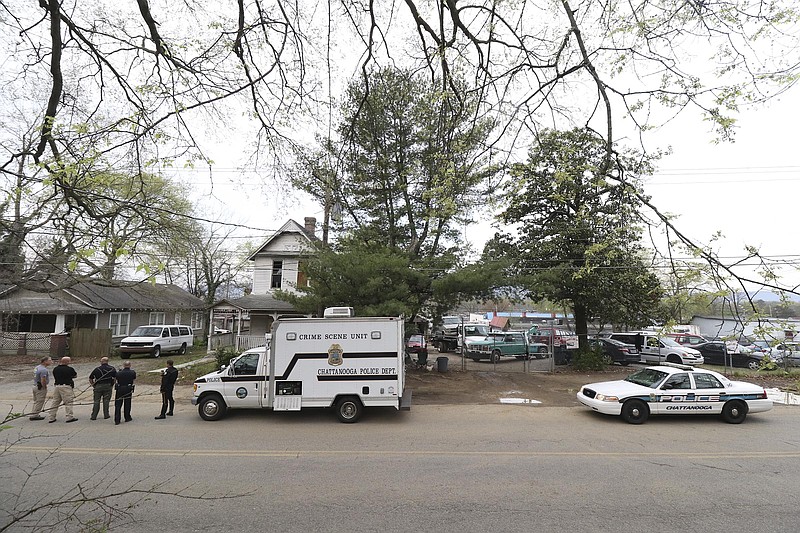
647,377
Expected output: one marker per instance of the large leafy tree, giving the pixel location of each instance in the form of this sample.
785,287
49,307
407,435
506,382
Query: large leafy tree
413,162
577,234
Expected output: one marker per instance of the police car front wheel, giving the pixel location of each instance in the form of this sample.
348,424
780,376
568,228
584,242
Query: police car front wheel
635,412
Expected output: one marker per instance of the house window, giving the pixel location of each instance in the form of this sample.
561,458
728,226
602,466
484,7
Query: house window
277,274
118,324
157,318
302,277
197,320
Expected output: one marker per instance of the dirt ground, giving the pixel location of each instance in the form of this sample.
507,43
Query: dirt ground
455,386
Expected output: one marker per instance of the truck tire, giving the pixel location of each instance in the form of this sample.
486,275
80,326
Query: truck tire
495,357
349,409
156,351
212,407
182,350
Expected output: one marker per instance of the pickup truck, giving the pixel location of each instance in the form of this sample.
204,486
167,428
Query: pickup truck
504,344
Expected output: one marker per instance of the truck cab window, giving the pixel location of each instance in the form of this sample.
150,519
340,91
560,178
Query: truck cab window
246,365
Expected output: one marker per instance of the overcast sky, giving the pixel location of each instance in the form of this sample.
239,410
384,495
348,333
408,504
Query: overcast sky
748,190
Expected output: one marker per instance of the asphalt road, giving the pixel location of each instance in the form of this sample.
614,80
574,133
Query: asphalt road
436,468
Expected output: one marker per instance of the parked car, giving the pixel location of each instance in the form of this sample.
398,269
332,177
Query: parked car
616,351
504,344
552,336
675,389
655,349
786,353
717,353
760,346
157,339
687,339
417,344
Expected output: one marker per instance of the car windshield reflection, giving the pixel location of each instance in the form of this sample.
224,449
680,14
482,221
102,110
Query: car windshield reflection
647,377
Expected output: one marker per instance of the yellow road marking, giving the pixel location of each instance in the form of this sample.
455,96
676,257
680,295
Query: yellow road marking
355,453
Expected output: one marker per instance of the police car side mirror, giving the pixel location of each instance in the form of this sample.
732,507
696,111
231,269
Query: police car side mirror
668,386
222,367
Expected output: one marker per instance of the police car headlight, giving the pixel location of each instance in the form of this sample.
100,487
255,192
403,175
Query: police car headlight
604,398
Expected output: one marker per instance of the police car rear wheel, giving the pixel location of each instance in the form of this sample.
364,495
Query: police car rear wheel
635,412
734,412
349,410
212,408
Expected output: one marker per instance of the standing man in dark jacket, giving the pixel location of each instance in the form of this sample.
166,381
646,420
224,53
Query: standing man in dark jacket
102,379
125,379
63,376
168,378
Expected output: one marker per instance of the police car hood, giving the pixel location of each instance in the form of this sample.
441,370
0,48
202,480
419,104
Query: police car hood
618,388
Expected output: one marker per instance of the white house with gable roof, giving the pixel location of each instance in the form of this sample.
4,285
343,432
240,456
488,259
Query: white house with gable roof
277,265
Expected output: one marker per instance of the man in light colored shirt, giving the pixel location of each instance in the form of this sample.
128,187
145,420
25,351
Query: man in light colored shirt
41,377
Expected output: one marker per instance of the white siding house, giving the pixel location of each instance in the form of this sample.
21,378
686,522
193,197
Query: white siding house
277,262
277,265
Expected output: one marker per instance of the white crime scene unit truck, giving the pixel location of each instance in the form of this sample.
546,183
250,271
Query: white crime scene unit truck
338,361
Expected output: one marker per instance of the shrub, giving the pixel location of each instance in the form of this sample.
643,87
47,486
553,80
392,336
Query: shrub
591,359
223,356
767,364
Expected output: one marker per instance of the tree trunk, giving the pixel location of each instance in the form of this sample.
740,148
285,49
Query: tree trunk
581,326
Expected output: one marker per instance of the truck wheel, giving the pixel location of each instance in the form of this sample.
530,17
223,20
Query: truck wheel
542,352
734,412
212,407
349,409
156,351
182,351
495,357
635,412
442,347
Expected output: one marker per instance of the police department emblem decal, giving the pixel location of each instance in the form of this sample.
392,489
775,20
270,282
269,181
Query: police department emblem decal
241,393
335,353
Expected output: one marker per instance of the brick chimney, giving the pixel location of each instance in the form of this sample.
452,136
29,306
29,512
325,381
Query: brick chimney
310,226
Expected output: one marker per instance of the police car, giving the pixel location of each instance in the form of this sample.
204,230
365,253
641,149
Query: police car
675,389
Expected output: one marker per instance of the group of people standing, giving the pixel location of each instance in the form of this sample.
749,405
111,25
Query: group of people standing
104,380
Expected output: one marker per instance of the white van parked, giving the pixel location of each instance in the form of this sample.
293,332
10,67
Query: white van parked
158,339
